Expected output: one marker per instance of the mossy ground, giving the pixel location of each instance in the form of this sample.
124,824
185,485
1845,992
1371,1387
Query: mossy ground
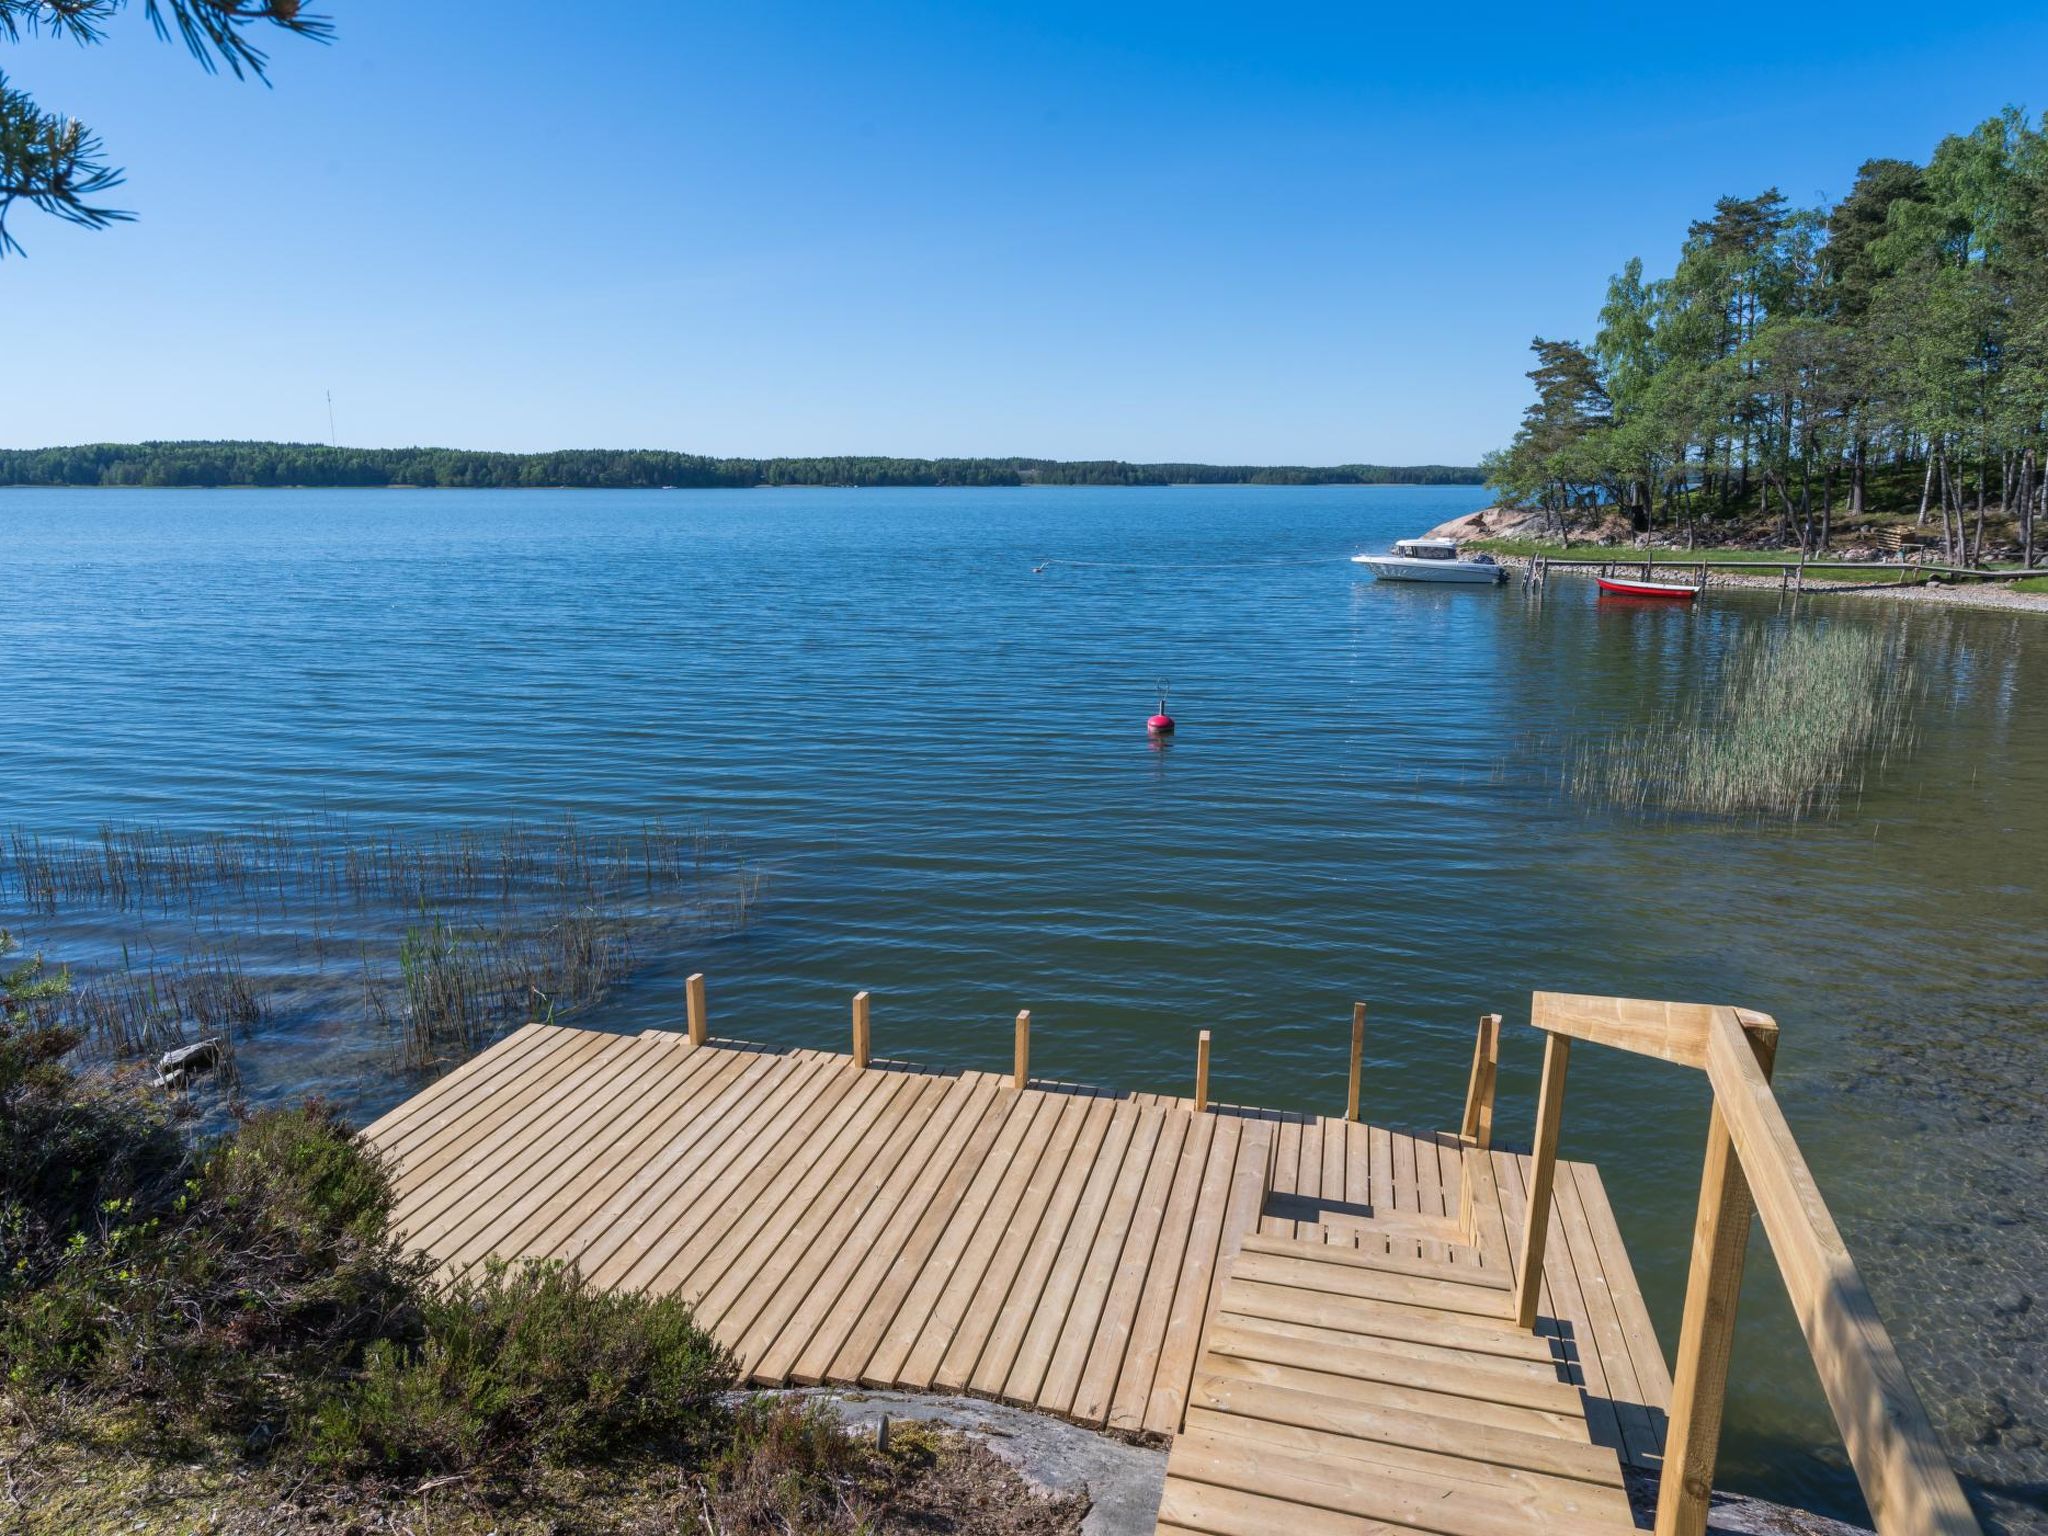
94,1478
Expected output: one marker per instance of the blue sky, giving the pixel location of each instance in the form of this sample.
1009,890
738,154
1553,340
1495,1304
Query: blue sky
1271,233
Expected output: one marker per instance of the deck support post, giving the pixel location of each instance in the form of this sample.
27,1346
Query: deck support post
1202,1072
860,1029
1699,1388
1476,1129
693,993
1023,1072
1557,1050
1357,1059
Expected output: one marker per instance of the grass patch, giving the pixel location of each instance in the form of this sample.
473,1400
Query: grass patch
1628,554
2028,584
1795,715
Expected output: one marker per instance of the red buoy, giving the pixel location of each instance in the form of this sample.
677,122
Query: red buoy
1161,724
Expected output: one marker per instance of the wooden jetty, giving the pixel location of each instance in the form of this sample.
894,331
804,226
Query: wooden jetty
1341,1327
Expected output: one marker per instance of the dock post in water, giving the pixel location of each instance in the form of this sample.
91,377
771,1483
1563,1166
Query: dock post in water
1202,1072
860,1029
1022,1078
1357,1057
693,992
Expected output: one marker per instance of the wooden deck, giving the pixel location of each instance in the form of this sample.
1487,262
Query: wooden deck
1055,1247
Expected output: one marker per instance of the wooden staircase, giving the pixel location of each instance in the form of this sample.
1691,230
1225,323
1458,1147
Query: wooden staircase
1389,1386
1339,1390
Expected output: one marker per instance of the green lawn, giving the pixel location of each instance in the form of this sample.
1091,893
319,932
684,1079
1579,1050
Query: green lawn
1624,553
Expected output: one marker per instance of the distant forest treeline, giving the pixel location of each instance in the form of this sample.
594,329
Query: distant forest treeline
1803,365
316,464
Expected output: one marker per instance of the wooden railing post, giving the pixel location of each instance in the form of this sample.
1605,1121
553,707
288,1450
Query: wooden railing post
860,1029
1557,1050
1201,1072
1477,1127
1023,1073
1357,1058
1706,1338
693,992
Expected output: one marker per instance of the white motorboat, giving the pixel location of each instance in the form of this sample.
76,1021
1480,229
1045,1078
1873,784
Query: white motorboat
1432,560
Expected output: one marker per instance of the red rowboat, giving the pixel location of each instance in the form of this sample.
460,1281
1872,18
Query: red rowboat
1630,587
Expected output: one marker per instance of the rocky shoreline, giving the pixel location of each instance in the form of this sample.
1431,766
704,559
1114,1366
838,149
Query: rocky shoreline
1496,523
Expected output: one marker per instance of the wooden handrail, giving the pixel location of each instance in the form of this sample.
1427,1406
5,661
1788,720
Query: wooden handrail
1906,1479
1752,1156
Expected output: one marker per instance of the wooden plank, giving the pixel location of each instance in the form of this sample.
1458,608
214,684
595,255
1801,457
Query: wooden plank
1020,1352
1383,1341
1344,1486
1562,1310
657,1208
1192,1507
1099,1270
1331,1184
1377,1284
425,1171
965,1284
1480,1378
1549,1501
715,1181
1286,1171
1308,1182
1384,1264
1531,1452
762,1243
945,1280
845,1340
1141,1358
1028,1245
1653,1376
390,1130
1132,1270
1458,1330
1190,1307
610,1184
618,1125
1357,1062
497,1143
1578,1261
1674,1032
1014,1364
823,1235
1395,1394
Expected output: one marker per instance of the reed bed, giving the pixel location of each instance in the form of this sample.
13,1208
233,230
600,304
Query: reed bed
437,940
1798,718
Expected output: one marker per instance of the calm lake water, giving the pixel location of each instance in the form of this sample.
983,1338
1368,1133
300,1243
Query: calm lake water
939,754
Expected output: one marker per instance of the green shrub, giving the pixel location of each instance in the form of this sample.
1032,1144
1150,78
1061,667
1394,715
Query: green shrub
528,1362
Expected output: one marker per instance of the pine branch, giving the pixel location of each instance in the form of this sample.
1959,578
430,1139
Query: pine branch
51,163
54,163
214,29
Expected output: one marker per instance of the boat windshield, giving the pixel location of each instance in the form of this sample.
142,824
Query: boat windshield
1416,550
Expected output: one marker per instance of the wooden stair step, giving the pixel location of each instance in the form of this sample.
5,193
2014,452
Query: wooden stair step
1470,1272
1387,1320
1356,1419
1347,1487
1546,1495
1484,1378
1377,1284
